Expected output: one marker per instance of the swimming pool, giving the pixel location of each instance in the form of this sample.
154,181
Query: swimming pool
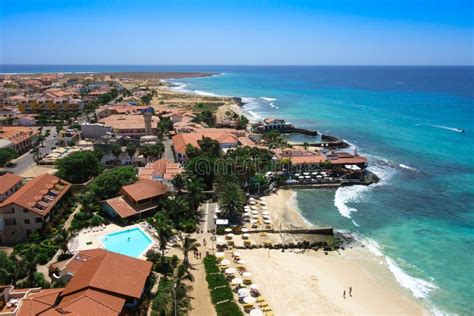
131,242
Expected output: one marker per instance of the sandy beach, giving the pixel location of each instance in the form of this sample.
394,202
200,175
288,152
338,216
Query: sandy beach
313,283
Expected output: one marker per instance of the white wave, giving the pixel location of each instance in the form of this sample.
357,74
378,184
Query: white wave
268,99
272,105
418,287
204,93
346,195
454,129
407,167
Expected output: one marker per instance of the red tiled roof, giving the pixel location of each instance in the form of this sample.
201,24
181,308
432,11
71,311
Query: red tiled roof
299,156
33,192
180,141
91,302
161,168
7,181
121,207
37,302
113,273
345,159
144,189
16,134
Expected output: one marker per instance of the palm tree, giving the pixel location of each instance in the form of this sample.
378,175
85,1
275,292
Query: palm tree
163,227
131,149
232,202
195,195
61,238
116,151
188,245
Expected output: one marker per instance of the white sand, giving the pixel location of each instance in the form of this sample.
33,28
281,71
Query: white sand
313,283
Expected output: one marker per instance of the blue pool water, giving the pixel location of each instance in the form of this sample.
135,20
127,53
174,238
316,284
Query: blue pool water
132,242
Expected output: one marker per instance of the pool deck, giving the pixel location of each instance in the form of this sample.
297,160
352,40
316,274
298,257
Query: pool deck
91,238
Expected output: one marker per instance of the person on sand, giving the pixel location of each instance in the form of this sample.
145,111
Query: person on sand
344,294
350,291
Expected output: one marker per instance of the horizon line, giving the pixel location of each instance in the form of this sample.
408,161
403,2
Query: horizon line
253,65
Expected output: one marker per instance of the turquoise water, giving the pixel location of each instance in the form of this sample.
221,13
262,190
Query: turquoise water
421,215
132,242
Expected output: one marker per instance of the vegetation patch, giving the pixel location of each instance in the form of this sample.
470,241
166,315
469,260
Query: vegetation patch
229,308
221,294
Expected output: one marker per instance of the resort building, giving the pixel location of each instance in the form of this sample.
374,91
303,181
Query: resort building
123,109
299,156
48,104
22,138
28,207
273,124
9,184
131,125
68,137
140,197
225,139
346,159
100,283
5,143
162,170
95,130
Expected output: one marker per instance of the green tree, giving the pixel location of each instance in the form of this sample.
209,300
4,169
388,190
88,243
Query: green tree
210,146
188,244
61,237
179,182
108,184
194,190
116,151
6,154
231,201
163,227
131,149
79,166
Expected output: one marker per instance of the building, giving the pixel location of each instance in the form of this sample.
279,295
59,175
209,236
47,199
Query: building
137,198
9,184
95,130
161,170
48,104
23,138
299,156
28,207
269,124
225,139
100,283
130,125
345,159
68,137
123,109
5,143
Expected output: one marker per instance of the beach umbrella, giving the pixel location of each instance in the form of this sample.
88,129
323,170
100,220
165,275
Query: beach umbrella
247,275
228,230
297,174
314,173
249,300
237,281
307,177
225,262
230,235
255,212
256,312
267,221
319,176
243,292
265,208
251,199
244,230
245,236
237,254
246,214
220,242
265,213
220,255
229,271
263,203
254,287
252,202
241,261
254,208
306,173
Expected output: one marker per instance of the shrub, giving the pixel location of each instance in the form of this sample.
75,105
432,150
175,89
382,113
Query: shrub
210,265
215,280
221,294
228,309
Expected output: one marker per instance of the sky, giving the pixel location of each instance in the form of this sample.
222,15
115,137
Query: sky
241,32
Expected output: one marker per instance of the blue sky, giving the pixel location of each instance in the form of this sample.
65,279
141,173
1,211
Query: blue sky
220,32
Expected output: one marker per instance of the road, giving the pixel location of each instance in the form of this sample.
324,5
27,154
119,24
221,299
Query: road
26,160
208,210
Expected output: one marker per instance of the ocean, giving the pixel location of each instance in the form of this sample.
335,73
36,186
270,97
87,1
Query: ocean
407,120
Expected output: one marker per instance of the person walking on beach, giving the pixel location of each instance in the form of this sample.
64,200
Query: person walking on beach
344,294
350,291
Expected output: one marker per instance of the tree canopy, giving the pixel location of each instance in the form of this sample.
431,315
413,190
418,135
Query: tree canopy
108,184
6,154
79,166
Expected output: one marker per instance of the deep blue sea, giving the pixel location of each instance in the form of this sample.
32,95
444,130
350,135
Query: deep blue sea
420,217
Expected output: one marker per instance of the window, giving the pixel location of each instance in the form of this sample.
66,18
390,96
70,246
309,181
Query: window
25,210
38,219
27,221
13,210
28,233
10,221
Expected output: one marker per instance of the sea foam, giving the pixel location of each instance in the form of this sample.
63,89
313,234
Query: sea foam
268,99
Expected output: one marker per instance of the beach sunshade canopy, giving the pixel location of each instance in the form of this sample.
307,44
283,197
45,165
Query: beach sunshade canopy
244,230
247,274
237,281
251,199
307,177
230,235
264,208
314,173
297,174
228,230
256,312
265,213
255,212
220,242
249,300
263,203
266,221
266,216
241,261
243,292
246,235
225,262
254,287
319,176
237,254
306,173
254,208
229,271
220,255
252,202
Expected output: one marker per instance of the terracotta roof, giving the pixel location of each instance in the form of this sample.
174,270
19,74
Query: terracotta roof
120,121
113,273
345,159
121,207
144,189
40,194
73,264
299,156
91,302
180,141
7,181
162,168
36,302
16,134
245,141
